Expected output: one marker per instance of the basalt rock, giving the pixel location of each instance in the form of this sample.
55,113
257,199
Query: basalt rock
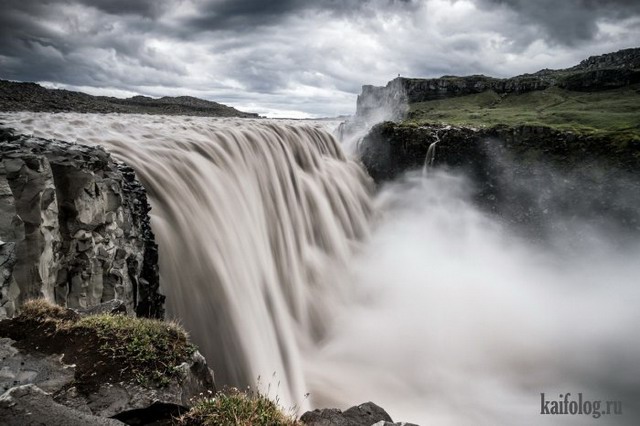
391,149
74,228
29,405
365,414
510,169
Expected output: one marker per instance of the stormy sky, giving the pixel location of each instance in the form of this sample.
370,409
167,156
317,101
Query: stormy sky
296,58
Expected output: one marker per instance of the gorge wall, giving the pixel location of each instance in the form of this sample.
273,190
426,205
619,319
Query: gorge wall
593,179
602,72
74,228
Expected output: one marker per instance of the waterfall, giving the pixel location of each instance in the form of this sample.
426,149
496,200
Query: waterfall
250,216
436,310
430,158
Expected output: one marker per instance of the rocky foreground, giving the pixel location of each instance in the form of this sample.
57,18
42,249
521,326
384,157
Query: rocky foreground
17,96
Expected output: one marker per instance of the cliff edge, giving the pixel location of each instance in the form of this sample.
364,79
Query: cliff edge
74,229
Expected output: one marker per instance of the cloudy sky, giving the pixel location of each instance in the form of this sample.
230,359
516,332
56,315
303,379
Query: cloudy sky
301,58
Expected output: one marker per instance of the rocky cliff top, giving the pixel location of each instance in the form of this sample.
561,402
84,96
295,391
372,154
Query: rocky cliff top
596,73
626,58
17,96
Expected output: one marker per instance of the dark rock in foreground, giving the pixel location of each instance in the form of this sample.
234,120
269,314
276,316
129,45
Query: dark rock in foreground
365,414
61,368
29,405
17,96
74,228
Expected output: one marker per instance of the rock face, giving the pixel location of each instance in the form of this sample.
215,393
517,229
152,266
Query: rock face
74,229
391,149
608,71
590,175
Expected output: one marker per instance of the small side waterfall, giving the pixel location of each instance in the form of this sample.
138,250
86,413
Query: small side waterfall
430,158
250,217
431,155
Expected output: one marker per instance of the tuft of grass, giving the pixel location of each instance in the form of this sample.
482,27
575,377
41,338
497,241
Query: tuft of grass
232,407
148,349
40,310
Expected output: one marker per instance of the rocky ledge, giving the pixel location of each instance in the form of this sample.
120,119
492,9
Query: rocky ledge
512,169
74,229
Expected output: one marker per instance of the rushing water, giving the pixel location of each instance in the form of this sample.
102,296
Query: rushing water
278,258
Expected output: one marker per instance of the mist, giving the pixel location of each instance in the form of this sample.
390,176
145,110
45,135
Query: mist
461,317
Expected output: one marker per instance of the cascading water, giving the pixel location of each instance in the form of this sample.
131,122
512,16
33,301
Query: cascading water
430,158
443,315
249,217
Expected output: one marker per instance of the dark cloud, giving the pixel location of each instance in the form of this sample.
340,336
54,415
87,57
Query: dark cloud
568,21
146,8
78,43
217,15
309,56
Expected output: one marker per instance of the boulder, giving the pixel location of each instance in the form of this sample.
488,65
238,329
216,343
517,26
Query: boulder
365,414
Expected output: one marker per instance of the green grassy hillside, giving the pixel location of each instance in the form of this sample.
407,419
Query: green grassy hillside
614,112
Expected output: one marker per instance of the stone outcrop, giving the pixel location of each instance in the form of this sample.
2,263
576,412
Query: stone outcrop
603,72
365,414
594,178
74,228
391,149
29,405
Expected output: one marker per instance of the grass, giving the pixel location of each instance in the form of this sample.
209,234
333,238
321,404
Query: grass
106,348
148,349
610,112
236,408
39,310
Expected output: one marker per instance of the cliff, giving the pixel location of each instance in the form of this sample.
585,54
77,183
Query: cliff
18,96
74,229
524,174
581,121
596,73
